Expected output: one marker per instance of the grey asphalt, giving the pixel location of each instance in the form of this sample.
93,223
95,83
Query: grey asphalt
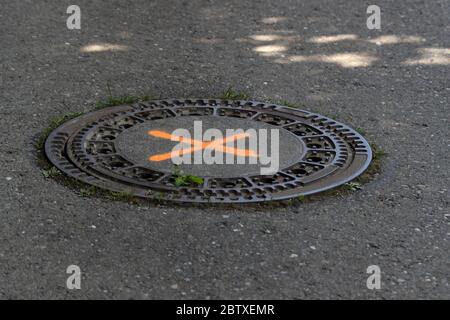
396,88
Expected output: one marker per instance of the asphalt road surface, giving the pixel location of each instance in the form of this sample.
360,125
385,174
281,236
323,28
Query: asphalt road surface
393,83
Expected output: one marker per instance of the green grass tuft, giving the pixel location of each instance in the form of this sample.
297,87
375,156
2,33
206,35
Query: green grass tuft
290,104
112,100
361,131
182,179
231,94
353,186
51,172
125,196
375,166
89,191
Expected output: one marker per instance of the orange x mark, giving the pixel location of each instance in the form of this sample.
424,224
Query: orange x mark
196,145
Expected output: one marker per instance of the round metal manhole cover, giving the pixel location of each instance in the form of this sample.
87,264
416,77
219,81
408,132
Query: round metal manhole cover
208,151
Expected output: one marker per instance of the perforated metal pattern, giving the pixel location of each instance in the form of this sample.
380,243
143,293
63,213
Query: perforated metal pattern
84,148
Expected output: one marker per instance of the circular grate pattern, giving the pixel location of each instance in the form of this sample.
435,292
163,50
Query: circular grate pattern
108,149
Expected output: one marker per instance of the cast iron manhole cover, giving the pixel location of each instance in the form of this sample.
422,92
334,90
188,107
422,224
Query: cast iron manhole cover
130,149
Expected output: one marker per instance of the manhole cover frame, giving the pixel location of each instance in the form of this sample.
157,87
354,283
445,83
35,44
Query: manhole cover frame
351,153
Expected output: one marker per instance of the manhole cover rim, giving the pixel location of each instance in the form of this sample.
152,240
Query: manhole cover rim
65,131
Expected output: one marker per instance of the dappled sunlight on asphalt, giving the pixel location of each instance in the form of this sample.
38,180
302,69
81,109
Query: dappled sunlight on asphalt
270,50
431,56
273,20
381,40
272,37
331,39
393,39
344,59
102,47
281,45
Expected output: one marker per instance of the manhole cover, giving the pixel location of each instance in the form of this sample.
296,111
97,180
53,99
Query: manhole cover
204,151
